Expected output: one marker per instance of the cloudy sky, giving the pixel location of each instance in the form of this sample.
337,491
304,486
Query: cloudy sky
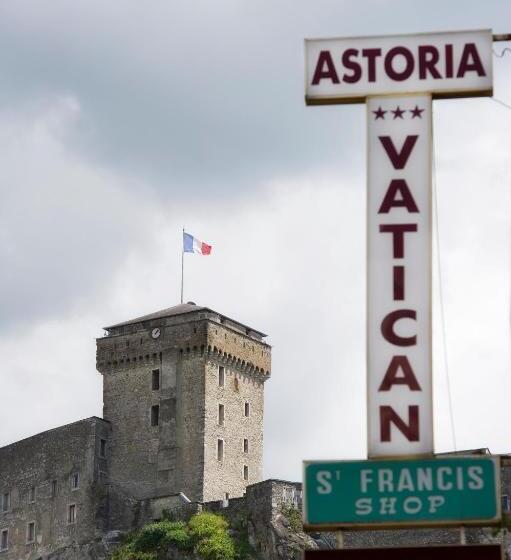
122,121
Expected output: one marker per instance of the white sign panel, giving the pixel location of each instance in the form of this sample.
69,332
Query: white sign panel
347,70
400,415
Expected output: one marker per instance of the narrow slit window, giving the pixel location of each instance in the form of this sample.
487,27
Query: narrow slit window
75,481
245,445
156,380
245,472
247,409
102,447
31,494
220,450
4,540
221,414
54,488
71,514
31,532
6,501
221,376
155,415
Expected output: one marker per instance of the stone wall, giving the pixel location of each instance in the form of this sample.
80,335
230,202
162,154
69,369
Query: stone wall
246,364
180,453
37,475
262,516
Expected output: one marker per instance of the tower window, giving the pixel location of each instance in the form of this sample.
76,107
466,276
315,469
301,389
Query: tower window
75,481
31,532
156,380
4,539
71,513
54,487
245,445
220,449
236,384
31,494
6,501
247,409
221,376
221,414
245,472
102,447
155,415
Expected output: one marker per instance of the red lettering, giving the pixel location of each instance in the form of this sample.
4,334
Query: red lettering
428,58
388,323
399,283
351,65
470,61
449,72
409,64
398,237
391,378
400,159
390,201
371,55
388,416
325,69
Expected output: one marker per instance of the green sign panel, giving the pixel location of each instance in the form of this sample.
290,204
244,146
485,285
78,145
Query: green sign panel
402,492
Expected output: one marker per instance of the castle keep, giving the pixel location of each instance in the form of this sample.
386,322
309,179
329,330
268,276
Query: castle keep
183,396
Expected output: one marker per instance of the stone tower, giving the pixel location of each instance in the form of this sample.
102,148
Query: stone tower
183,389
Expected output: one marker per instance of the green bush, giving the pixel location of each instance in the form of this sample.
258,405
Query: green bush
155,536
205,533
150,537
205,524
218,546
178,535
126,552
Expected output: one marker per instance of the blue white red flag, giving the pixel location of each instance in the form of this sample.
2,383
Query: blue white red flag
193,245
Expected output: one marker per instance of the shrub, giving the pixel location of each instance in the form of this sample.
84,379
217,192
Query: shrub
206,533
150,537
126,552
178,535
205,524
155,536
218,546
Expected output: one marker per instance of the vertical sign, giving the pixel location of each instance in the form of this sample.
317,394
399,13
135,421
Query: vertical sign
397,77
399,384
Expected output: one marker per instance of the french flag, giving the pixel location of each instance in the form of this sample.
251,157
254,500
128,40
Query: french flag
193,245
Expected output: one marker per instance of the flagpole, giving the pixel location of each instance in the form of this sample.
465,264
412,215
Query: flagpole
182,262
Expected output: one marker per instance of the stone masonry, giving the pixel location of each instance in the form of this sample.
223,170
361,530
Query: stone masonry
183,394
185,431
55,481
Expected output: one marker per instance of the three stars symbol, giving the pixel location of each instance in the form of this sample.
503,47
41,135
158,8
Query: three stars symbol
398,113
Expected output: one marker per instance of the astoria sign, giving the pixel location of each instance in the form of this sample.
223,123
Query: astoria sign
397,77
443,64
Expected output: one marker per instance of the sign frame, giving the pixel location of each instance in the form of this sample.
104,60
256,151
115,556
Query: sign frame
356,526
448,93
427,211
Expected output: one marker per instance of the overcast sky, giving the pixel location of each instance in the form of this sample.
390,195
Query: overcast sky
122,121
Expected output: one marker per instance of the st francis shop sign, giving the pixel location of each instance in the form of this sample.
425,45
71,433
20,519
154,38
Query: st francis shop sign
398,77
